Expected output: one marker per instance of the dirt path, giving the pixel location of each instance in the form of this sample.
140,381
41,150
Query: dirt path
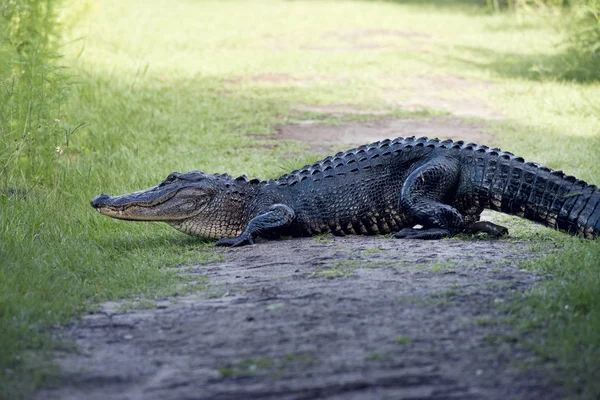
335,318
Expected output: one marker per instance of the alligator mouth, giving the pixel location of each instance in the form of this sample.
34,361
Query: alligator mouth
121,207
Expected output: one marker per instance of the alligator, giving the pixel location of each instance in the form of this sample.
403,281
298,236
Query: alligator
416,188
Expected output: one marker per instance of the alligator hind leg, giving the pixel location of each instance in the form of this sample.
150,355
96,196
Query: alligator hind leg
423,195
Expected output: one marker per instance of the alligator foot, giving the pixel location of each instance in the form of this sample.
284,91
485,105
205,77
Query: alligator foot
489,228
241,240
426,234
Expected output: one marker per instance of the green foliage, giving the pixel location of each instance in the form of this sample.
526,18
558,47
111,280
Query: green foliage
580,21
566,311
584,42
33,92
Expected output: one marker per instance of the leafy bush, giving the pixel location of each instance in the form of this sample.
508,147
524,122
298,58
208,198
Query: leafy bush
33,90
584,41
581,23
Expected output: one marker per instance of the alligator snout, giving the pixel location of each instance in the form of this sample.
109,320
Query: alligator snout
100,200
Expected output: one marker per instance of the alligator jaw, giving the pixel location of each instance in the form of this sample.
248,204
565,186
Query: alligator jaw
138,206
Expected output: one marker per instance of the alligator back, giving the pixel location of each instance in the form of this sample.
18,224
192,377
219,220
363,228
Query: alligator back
357,191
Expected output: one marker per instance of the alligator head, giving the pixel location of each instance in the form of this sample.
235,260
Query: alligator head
194,202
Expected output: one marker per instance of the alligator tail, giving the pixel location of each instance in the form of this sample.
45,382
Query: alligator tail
511,185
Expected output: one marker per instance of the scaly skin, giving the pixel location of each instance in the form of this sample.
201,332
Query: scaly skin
388,186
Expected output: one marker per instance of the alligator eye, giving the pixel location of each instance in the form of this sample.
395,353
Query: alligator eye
172,177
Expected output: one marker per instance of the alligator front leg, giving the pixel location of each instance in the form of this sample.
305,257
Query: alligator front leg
277,216
422,196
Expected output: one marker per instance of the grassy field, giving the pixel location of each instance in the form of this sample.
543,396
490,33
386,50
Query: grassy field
181,85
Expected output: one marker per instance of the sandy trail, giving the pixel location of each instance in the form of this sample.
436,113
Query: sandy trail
335,318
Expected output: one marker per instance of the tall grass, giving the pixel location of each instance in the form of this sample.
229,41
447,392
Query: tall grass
33,92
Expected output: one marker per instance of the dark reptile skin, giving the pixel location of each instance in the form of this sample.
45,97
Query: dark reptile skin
389,187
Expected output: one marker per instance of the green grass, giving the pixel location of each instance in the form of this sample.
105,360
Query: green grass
404,340
181,87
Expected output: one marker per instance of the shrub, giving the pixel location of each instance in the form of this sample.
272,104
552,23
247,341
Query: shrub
581,59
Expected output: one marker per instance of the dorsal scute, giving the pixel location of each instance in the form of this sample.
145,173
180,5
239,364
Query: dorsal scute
362,157
570,178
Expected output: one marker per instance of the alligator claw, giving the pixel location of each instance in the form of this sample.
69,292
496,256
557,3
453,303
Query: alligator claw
235,242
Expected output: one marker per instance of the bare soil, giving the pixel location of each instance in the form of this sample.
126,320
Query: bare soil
320,136
455,95
335,318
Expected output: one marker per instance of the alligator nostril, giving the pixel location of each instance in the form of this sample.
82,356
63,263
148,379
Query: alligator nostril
99,200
